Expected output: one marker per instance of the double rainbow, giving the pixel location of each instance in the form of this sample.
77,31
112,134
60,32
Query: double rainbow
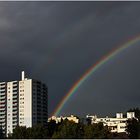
92,70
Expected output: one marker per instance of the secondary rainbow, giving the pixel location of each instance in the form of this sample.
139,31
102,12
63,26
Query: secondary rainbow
92,70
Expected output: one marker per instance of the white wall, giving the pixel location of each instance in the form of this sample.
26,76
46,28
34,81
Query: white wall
9,107
25,103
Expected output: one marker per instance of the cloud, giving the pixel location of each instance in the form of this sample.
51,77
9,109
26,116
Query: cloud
58,41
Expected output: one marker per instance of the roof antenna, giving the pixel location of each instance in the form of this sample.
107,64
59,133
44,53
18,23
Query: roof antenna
23,75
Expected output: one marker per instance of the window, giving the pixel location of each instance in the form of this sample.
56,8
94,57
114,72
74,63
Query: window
21,118
21,102
21,90
21,106
21,110
21,82
21,94
122,127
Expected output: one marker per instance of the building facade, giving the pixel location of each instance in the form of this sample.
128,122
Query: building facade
59,119
117,124
23,103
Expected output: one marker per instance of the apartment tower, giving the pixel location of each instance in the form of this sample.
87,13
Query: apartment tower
23,103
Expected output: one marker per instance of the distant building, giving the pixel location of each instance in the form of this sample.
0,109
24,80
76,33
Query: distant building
23,103
117,124
59,119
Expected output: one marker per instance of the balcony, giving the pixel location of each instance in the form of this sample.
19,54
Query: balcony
2,117
14,103
14,122
15,112
15,107
3,124
15,118
2,93
15,91
2,112
2,102
14,100
2,83
2,98
2,120
2,86
2,107
2,90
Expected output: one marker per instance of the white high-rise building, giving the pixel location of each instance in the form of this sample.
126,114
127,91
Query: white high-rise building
23,103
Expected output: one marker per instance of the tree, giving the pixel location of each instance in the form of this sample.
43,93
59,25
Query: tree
116,135
133,128
20,132
93,131
133,125
68,130
38,132
52,127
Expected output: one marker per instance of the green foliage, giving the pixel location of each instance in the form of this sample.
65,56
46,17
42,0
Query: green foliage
133,128
19,132
38,131
68,129
64,130
95,131
118,136
51,126
72,130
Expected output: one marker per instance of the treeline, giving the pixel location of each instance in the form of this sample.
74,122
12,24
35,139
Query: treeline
70,130
65,130
133,126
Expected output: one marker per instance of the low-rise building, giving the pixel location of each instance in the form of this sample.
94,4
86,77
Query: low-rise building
117,124
59,119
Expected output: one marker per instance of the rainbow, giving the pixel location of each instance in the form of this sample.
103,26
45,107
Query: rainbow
92,70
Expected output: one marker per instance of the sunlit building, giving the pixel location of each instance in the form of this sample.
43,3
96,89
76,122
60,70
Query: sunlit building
23,103
59,119
117,124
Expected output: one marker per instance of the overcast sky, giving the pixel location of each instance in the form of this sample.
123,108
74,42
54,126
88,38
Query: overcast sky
57,42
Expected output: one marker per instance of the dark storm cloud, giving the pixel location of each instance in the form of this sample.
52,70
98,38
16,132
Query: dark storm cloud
58,41
113,88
